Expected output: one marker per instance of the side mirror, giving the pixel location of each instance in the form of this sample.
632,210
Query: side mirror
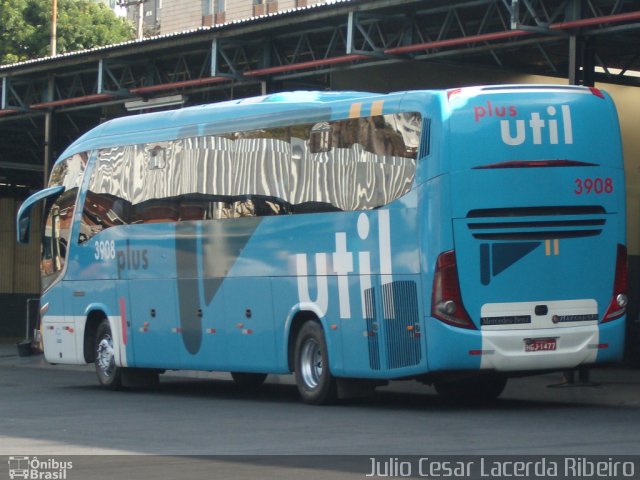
23,218
24,225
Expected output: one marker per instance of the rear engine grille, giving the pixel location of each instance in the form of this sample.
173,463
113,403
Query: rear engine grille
542,223
397,336
536,211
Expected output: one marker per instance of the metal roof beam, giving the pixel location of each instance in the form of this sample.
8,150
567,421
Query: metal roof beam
9,96
362,35
107,82
21,166
229,58
372,34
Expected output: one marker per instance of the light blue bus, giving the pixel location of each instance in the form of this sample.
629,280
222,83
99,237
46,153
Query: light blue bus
455,237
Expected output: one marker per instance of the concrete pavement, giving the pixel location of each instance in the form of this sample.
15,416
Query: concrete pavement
614,385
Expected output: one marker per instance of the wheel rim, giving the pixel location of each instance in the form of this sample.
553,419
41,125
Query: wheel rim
311,365
105,356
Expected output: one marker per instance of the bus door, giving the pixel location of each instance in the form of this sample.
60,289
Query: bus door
58,325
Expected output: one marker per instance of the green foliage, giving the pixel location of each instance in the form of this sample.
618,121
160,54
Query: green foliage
25,28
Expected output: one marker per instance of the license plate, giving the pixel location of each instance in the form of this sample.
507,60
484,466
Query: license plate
539,344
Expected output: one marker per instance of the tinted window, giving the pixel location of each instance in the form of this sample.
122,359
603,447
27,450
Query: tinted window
354,164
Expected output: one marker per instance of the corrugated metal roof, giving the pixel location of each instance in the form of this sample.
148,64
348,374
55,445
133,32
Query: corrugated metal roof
183,33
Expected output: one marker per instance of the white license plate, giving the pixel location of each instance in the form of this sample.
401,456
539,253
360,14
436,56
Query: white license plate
539,344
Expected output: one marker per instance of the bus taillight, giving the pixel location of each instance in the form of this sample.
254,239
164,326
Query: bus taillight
618,304
446,299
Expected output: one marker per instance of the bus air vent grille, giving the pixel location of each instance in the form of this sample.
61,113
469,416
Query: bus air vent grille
537,211
536,223
402,341
372,329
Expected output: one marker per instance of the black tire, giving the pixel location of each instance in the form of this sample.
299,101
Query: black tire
109,375
313,376
248,382
481,389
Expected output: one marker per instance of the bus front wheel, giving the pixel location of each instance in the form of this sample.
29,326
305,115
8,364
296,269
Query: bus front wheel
109,375
314,380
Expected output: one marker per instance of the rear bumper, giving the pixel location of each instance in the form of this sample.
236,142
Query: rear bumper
451,348
505,350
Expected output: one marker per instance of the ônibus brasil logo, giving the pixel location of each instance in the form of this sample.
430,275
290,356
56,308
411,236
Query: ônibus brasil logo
36,469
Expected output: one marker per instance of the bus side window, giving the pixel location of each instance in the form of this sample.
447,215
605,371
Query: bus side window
329,166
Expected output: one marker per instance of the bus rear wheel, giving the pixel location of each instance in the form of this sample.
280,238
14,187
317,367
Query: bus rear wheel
480,389
109,375
314,380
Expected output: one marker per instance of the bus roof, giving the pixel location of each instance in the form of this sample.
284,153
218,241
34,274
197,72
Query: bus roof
520,88
179,121
267,110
